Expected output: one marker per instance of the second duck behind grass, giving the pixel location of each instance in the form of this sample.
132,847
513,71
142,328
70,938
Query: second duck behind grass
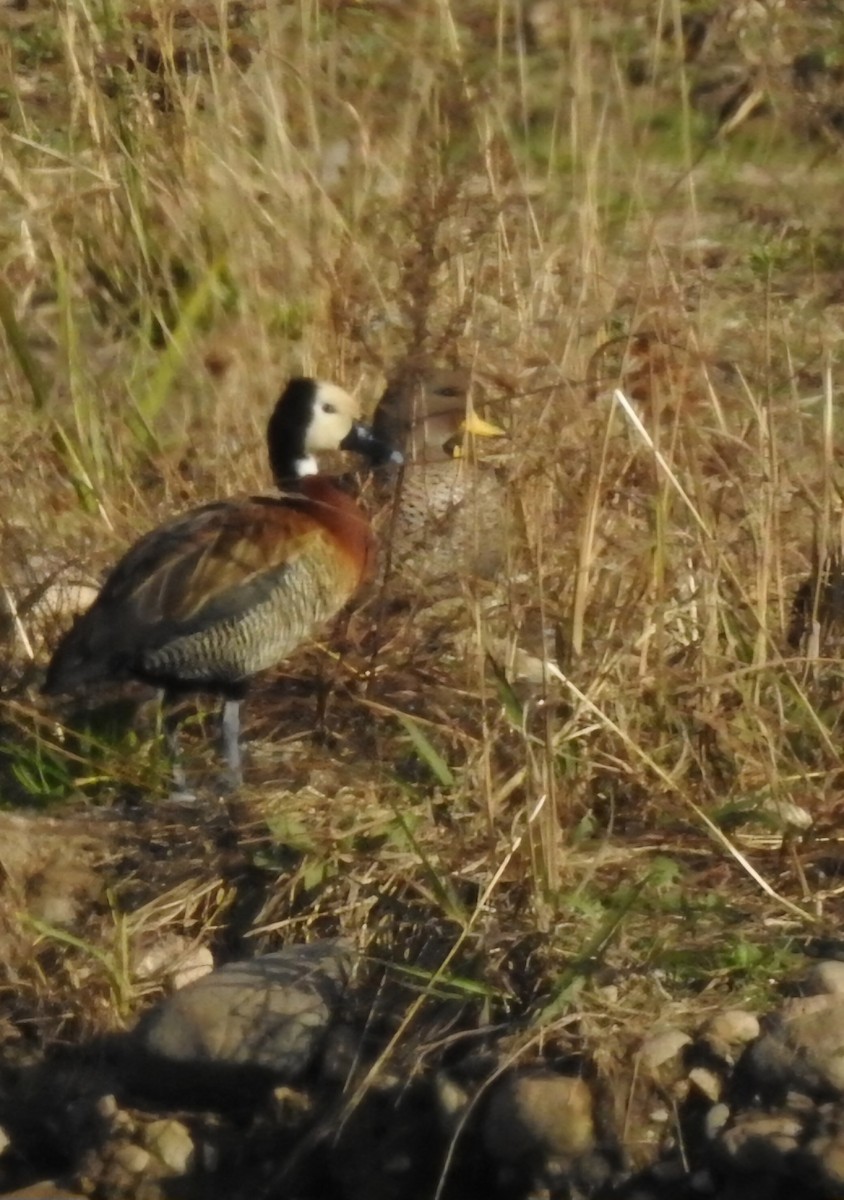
211,598
449,517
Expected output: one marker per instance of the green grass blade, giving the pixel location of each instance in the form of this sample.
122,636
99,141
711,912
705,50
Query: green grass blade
429,754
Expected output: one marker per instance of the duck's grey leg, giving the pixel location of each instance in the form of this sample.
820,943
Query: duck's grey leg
230,730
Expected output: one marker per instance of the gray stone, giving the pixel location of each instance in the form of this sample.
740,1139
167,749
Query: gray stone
806,1006
132,1159
707,1083
803,1050
824,978
731,1028
176,960
452,1100
760,1142
539,1115
268,1015
107,1108
801,1141
825,1154
171,1143
716,1119
662,1048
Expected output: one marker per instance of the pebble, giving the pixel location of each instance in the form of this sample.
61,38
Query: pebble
732,1027
662,1047
134,1160
760,1141
824,978
177,960
170,1142
452,1100
826,1151
707,1083
715,1120
539,1114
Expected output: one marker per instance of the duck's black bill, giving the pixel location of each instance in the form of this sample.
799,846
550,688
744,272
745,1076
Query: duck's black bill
361,440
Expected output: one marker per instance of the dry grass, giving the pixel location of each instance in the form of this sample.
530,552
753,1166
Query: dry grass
195,203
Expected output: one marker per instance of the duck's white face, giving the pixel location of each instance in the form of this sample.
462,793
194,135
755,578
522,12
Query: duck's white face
334,413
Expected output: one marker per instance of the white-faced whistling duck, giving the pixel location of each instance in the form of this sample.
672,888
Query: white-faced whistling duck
210,598
449,515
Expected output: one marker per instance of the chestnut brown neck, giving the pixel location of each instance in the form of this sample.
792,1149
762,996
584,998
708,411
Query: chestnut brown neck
342,517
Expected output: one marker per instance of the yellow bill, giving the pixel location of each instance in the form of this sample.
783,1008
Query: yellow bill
478,427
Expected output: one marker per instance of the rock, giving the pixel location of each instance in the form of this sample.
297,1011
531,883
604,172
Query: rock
247,1023
171,1143
107,1109
716,1119
662,1047
5,1141
196,962
707,1083
120,1169
760,1142
177,960
825,1152
132,1159
801,1142
452,1100
803,1050
824,978
113,1119
804,1006
539,1115
291,1108
731,1028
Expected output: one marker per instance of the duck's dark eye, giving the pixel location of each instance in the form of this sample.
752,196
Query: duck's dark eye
328,408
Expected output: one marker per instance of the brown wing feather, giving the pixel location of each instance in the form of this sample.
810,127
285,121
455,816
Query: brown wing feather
213,552
209,565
